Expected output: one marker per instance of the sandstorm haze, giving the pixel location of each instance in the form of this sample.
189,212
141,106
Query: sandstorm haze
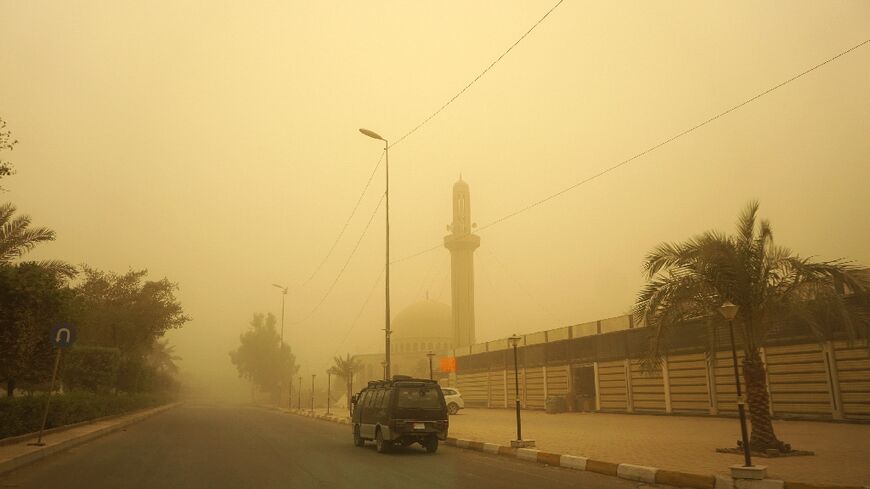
216,144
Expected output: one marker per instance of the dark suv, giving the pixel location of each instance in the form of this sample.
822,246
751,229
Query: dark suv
400,411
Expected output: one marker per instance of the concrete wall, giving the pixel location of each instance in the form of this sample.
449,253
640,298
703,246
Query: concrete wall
806,378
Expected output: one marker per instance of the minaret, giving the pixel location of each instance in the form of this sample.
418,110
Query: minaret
462,243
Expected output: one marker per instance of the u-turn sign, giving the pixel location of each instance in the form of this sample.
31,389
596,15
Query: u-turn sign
63,335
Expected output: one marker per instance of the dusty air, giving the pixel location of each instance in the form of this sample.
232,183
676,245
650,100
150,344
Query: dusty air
543,244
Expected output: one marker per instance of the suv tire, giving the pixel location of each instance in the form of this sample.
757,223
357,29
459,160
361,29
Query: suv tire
358,441
452,408
382,445
431,444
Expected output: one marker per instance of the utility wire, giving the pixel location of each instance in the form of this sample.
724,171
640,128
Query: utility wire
346,223
363,308
478,77
341,272
651,148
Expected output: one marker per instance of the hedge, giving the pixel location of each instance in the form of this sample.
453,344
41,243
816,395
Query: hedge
20,415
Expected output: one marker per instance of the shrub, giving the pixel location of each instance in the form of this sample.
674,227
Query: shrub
91,368
20,415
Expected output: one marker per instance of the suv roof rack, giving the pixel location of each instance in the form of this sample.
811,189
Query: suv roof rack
372,384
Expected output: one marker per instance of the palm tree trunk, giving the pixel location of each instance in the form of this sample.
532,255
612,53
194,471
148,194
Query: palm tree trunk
763,436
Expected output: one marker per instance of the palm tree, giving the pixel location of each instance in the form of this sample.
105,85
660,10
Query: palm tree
345,368
162,356
17,238
771,285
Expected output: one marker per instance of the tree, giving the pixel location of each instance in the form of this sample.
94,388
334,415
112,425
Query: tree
6,143
162,357
262,358
345,368
771,285
130,314
126,311
17,238
32,299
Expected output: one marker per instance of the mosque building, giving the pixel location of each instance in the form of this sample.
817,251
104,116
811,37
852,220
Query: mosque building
431,326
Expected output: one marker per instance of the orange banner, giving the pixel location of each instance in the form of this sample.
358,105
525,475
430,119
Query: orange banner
447,364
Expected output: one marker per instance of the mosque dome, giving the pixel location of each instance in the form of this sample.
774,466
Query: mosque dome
423,326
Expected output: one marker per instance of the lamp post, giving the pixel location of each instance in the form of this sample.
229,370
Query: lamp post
384,367
328,388
518,443
377,136
312,392
430,355
290,384
299,396
729,312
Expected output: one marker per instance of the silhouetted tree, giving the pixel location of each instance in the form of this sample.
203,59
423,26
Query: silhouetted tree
262,358
32,300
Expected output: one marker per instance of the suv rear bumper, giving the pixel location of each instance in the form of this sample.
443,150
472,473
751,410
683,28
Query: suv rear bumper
405,430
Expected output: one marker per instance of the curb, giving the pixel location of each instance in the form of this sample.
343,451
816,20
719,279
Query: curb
40,453
638,473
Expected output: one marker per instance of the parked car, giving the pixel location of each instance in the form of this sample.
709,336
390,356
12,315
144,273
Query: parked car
401,411
453,399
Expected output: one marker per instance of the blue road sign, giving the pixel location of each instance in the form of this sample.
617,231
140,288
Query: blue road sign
63,335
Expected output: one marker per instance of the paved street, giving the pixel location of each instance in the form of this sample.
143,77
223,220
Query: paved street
220,446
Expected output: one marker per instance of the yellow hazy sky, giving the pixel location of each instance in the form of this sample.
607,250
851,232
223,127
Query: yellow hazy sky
216,143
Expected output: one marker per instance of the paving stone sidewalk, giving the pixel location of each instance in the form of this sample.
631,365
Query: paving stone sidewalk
682,443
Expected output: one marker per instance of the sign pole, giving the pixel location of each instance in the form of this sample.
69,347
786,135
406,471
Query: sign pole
48,400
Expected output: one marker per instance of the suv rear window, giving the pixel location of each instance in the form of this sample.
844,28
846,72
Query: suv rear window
418,398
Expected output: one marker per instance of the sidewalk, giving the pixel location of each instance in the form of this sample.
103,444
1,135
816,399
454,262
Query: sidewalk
678,442
18,453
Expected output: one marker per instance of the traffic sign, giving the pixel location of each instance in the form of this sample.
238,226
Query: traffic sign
63,335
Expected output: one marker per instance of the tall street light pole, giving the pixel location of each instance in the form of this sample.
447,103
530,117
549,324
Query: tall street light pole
729,312
283,296
290,383
377,136
299,396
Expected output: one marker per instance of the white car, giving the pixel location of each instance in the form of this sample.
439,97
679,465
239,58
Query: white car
453,399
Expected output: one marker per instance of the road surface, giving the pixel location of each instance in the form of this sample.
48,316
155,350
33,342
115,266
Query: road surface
213,446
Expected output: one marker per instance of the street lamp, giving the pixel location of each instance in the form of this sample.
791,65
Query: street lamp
299,396
312,392
328,388
377,136
283,296
290,384
518,443
729,312
430,355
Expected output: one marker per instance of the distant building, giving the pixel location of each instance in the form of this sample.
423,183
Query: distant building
430,326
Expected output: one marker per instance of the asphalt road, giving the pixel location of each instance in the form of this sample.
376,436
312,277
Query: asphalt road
214,446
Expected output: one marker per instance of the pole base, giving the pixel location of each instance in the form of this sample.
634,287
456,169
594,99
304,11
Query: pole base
755,472
522,443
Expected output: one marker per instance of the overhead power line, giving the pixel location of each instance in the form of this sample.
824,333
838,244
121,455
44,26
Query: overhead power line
478,77
363,307
341,272
650,149
346,223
